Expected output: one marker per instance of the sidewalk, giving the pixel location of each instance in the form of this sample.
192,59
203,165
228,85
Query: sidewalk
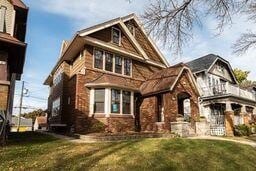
246,142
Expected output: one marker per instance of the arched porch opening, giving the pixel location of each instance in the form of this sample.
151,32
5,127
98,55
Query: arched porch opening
184,106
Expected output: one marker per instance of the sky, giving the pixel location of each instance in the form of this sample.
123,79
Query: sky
51,21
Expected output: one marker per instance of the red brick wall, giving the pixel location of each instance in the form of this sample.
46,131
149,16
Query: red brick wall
148,116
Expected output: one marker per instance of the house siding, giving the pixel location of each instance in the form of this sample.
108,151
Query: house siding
10,13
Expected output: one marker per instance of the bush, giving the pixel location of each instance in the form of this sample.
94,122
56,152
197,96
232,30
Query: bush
242,130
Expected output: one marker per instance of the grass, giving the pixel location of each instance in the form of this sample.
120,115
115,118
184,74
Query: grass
34,151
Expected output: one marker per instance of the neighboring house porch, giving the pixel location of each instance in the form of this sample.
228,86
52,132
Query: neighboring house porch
223,103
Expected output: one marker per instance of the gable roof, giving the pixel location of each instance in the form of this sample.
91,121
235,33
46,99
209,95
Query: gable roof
81,37
165,80
205,64
120,21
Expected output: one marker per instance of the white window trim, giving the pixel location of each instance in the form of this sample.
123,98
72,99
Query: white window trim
120,36
107,103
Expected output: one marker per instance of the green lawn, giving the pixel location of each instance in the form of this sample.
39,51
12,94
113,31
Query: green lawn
32,151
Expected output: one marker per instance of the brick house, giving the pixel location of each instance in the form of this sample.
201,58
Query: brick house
13,19
101,77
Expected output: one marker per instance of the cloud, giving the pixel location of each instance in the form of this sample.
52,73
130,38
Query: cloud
84,13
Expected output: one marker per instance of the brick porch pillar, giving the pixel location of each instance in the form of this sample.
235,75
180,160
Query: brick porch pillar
229,120
244,115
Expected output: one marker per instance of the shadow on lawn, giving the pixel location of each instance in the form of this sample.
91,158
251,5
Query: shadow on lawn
87,160
28,138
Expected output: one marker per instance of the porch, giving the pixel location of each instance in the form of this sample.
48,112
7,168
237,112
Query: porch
227,89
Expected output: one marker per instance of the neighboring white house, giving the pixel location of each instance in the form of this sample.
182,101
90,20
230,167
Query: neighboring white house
40,123
221,93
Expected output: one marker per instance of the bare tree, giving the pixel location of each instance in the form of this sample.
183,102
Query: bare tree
247,40
172,21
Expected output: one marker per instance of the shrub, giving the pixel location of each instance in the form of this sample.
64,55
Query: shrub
242,130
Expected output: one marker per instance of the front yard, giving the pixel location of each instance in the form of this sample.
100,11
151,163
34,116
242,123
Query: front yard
31,151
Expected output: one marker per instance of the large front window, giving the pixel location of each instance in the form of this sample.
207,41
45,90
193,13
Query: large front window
115,101
56,107
111,101
99,99
126,102
98,59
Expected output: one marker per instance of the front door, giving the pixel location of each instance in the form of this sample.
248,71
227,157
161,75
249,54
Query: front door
217,120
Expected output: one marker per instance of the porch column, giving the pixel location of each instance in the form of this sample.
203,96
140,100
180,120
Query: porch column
244,115
229,119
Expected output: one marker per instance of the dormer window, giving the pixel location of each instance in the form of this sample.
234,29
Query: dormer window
116,36
2,18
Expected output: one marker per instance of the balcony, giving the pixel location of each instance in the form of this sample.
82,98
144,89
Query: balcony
227,89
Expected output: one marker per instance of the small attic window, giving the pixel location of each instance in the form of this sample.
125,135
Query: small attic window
116,36
131,28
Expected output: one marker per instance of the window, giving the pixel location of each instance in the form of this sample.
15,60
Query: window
57,77
98,59
126,102
118,64
56,107
131,29
2,18
108,61
99,98
127,67
115,101
160,115
116,36
209,81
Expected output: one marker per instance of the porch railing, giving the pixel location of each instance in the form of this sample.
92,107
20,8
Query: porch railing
227,88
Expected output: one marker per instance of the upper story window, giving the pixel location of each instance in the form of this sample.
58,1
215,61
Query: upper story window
127,67
116,36
98,59
56,107
2,18
131,28
112,62
108,62
57,77
99,100
118,64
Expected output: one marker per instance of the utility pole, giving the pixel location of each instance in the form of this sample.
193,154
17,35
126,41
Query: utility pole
21,99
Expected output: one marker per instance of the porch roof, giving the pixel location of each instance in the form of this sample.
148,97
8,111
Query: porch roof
107,80
164,80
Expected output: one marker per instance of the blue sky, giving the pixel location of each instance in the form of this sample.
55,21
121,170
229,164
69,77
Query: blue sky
51,21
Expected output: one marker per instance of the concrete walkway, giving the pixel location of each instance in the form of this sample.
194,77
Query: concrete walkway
246,142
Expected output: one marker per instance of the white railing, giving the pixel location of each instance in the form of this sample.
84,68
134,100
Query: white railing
224,89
